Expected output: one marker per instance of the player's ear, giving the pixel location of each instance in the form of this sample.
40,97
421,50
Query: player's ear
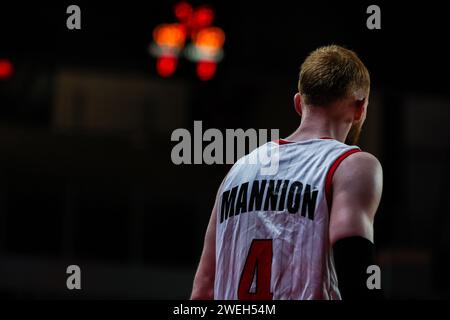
360,105
298,103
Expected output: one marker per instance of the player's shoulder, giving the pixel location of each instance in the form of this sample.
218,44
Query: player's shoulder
362,159
359,165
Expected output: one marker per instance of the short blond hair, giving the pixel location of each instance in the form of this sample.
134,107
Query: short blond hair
330,73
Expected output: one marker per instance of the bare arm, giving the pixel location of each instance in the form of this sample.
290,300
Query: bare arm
357,188
203,287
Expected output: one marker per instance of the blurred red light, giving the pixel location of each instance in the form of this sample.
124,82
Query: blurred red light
203,17
206,70
166,66
183,11
204,41
6,69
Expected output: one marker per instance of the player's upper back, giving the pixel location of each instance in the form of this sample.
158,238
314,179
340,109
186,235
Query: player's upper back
296,171
283,201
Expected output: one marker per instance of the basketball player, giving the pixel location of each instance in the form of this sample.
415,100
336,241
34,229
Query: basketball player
307,231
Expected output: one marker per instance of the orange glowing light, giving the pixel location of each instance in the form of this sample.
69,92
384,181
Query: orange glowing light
212,37
166,66
206,70
171,35
6,69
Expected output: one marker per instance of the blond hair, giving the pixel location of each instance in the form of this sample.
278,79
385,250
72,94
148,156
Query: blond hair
330,73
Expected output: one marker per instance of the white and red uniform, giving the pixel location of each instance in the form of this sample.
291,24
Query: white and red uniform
272,232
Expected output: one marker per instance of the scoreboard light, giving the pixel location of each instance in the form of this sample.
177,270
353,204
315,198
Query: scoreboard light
192,35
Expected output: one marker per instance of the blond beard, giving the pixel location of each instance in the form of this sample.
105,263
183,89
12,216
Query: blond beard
353,134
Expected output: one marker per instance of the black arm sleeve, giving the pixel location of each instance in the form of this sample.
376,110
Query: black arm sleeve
352,256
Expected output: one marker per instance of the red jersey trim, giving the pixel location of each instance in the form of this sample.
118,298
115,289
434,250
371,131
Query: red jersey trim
282,141
330,174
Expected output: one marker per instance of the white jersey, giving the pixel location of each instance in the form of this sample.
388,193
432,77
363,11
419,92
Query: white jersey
272,232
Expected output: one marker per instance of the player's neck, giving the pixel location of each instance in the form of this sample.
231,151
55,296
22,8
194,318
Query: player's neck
319,128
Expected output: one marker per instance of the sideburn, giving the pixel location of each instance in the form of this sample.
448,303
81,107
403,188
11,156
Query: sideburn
353,134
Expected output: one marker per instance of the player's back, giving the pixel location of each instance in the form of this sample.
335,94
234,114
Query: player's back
272,232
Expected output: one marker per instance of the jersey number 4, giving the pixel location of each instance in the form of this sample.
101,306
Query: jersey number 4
258,264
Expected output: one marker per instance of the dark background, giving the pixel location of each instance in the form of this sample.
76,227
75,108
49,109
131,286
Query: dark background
86,176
